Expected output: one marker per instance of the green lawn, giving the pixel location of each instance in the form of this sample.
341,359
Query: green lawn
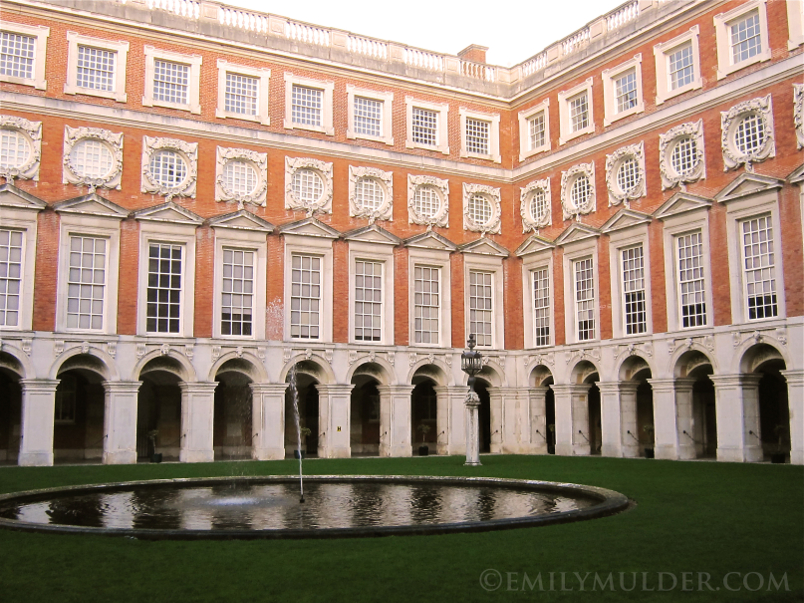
699,517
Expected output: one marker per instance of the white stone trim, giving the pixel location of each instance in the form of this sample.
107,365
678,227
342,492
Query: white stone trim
263,77
525,116
798,112
187,150
176,234
620,240
613,163
668,141
492,195
434,258
318,246
113,143
32,132
384,254
386,123
722,21
41,34
573,252
385,179
490,264
25,220
537,261
441,187
442,143
324,170
526,194
565,134
567,180
609,90
258,161
193,104
98,227
729,120
74,40
327,88
249,241
795,23
662,54
493,120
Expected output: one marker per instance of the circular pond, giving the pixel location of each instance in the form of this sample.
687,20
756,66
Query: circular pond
334,506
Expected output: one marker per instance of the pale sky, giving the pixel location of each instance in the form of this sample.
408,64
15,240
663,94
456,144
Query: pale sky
514,30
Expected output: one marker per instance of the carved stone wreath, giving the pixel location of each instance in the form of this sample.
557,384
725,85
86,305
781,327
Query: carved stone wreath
188,151
113,142
730,120
490,195
798,113
568,179
526,195
614,162
324,171
31,131
257,161
441,188
691,131
384,180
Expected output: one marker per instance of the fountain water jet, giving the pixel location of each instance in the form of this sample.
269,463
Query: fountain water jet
294,394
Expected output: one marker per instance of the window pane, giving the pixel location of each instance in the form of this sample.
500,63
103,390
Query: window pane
10,277
14,148
86,282
426,304
634,304
681,68
745,38
579,112
426,201
477,136
368,116
625,91
237,292
480,307
241,94
95,68
91,158
536,130
425,127
168,168
239,177
369,194
585,299
759,263
691,280
164,288
305,299
306,103
541,307
16,55
171,82
368,301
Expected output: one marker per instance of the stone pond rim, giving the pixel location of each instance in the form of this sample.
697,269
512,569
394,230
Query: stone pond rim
605,503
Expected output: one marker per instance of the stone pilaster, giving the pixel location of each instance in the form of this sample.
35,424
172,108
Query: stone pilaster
120,422
197,415
38,415
572,419
395,419
795,402
451,438
334,420
535,433
268,421
737,411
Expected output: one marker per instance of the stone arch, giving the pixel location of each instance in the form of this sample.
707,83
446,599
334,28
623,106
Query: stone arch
88,358
493,374
582,370
751,355
245,363
384,372
684,362
435,370
313,365
17,363
172,362
632,366
539,375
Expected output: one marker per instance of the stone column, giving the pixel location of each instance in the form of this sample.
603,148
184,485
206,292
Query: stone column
536,431
197,413
451,438
501,419
472,430
334,420
611,419
572,419
395,418
631,443
737,412
268,421
672,413
795,404
38,415
120,422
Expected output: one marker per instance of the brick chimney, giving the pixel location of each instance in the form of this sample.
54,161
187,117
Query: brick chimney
473,53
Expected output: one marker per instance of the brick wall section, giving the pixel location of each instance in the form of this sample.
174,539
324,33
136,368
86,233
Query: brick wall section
792,251
658,291
275,289
512,302
46,279
719,258
128,280
457,292
204,282
562,295
604,288
340,292
401,296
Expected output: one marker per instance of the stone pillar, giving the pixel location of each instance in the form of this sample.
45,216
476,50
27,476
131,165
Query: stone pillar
38,415
672,414
572,419
395,419
197,413
737,412
501,420
451,438
611,419
268,421
535,433
631,443
120,422
334,420
795,402
472,430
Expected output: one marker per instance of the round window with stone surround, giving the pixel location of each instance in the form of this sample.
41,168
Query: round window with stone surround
307,186
91,158
426,202
168,168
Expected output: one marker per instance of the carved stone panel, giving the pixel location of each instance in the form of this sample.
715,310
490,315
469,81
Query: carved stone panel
535,201
241,175
371,193
169,167
93,157
428,201
747,133
308,185
25,136
481,208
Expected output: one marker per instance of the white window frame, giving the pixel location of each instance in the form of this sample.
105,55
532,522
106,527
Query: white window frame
662,53
795,24
74,40
386,123
490,264
541,260
40,33
381,254
173,234
610,76
565,133
263,77
248,241
737,211
100,228
586,248
327,88
442,139
525,150
193,104
318,246
431,259
723,22
24,220
618,242
493,120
